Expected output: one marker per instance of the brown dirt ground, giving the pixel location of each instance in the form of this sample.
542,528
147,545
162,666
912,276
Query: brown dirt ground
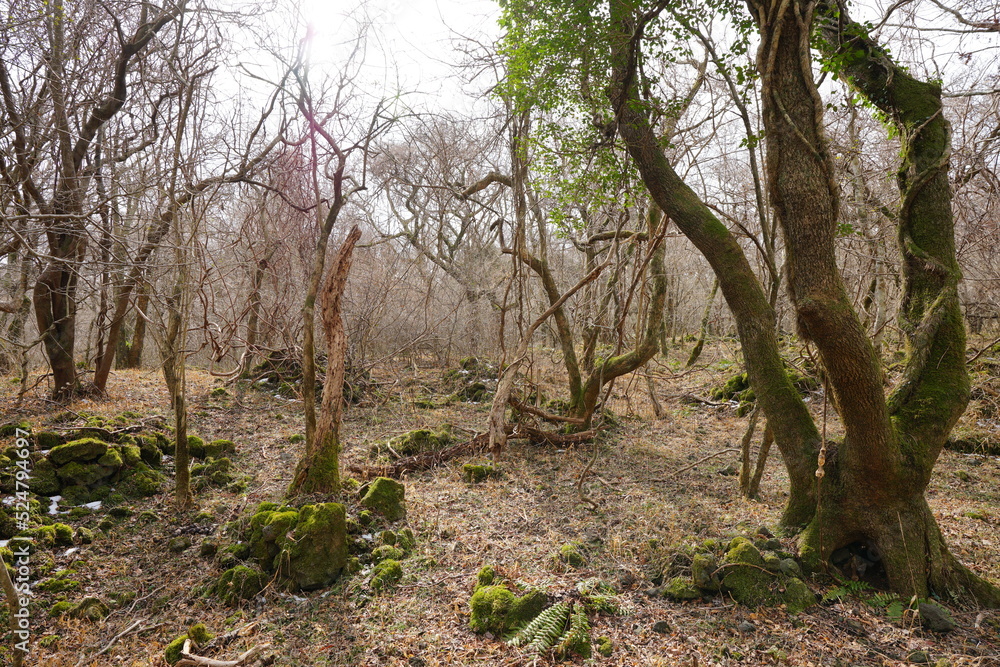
514,523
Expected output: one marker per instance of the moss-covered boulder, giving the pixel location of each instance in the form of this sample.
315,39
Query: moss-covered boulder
387,497
84,450
214,472
149,452
269,529
46,440
473,473
316,552
496,609
238,584
90,609
387,552
416,441
196,447
704,572
386,575
75,473
219,448
680,589
750,583
141,482
44,480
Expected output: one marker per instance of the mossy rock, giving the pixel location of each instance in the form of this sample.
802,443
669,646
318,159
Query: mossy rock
219,448
141,482
149,452
196,633
90,609
486,576
196,447
386,575
704,573
83,450
387,497
57,585
75,473
131,455
44,480
496,609
387,552
112,459
179,544
75,494
60,608
238,584
268,531
680,589
475,473
8,526
751,584
10,428
605,646
54,535
416,441
571,555
46,440
316,553
214,472
473,392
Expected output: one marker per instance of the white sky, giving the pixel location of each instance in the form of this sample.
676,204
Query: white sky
410,44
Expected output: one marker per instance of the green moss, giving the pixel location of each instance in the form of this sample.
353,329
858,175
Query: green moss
571,555
386,551
473,473
199,634
386,575
217,448
239,583
387,497
605,647
60,608
172,654
296,438
90,609
150,453
196,447
131,455
75,473
111,459
57,585
680,589
495,609
142,482
215,473
11,428
47,440
83,450
316,553
750,583
416,441
44,480
486,577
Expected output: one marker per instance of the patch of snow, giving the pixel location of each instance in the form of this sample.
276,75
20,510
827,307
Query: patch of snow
96,505
54,504
70,552
4,543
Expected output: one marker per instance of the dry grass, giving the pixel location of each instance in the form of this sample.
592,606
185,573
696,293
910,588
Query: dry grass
514,523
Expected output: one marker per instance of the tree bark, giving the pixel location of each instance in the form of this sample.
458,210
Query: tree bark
319,469
795,433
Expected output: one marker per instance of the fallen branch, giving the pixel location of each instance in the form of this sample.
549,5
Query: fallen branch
696,463
190,660
547,416
427,460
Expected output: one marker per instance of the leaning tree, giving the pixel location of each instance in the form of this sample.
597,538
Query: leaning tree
870,485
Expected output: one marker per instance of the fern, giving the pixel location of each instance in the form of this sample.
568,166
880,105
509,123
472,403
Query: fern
577,638
543,632
847,588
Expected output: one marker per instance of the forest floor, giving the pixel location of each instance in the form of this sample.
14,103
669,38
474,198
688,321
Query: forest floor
652,485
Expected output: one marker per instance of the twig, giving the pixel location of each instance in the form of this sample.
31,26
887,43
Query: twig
111,643
190,660
696,463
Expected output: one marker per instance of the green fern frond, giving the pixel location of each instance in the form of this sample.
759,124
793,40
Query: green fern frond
577,638
541,633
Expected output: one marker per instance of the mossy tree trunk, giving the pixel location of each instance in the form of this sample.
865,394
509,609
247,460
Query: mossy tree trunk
795,433
319,469
872,487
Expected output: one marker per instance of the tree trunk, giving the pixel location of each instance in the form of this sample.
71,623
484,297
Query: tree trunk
795,433
872,487
319,469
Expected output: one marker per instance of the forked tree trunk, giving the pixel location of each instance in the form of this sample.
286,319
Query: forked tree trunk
871,488
318,470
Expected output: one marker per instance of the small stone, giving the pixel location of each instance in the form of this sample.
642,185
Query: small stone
179,544
209,547
935,617
963,475
790,568
728,471
919,658
746,627
662,627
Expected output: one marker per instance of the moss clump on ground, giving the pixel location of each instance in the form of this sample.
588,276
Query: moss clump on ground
387,497
90,609
750,583
141,482
238,584
386,574
414,442
496,609
680,589
219,448
215,473
316,552
60,608
46,440
571,555
486,576
196,447
474,473
83,450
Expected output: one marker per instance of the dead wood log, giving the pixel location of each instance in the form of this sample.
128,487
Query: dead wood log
427,460
189,659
